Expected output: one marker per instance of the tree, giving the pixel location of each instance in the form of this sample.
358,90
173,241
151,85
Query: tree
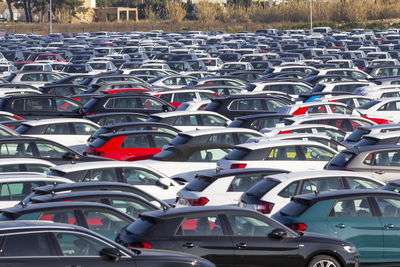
65,10
10,10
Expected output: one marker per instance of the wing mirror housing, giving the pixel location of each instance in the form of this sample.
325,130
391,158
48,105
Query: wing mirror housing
110,254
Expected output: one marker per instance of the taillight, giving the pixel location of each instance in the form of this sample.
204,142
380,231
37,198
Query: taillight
139,245
198,202
17,117
299,227
89,113
158,95
285,132
265,207
238,166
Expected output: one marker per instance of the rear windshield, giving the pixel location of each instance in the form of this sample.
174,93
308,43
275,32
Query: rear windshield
140,227
91,103
341,159
99,132
262,187
23,129
293,209
180,140
213,106
366,141
357,134
163,155
98,142
237,154
198,184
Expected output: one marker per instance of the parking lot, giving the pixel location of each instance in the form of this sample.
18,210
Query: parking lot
273,148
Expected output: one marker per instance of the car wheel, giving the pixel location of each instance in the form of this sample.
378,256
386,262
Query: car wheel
324,261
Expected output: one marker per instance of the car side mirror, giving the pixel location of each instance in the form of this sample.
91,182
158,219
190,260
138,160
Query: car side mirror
110,254
278,233
164,182
69,156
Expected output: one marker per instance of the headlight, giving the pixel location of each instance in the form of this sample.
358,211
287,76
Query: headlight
350,249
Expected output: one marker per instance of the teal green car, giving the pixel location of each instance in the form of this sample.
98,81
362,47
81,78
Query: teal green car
370,219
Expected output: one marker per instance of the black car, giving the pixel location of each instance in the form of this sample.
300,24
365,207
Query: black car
31,147
110,118
139,103
46,244
92,186
63,89
258,121
41,106
134,126
232,236
97,217
241,105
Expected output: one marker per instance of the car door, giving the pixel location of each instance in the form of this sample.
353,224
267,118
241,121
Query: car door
280,157
51,151
205,236
253,246
78,249
354,220
315,157
81,132
389,208
384,165
57,132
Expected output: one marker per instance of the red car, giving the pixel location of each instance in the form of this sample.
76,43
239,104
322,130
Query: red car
129,145
125,91
176,97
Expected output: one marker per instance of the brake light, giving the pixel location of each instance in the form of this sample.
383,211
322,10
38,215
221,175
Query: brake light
89,113
138,245
158,95
238,166
198,202
284,132
17,117
265,207
299,227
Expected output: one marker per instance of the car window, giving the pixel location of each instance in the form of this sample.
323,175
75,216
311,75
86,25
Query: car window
39,104
360,183
384,158
274,105
242,183
58,128
190,120
321,184
389,207
251,104
208,155
149,103
136,141
47,150
10,168
37,168
106,223
16,150
84,128
316,153
137,176
289,190
161,140
224,138
184,97
79,245
201,226
283,153
358,207
242,225
115,103
131,207
104,175
34,244
243,137
17,190
212,120
66,105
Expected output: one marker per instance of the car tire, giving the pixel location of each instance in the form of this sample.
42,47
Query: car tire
324,261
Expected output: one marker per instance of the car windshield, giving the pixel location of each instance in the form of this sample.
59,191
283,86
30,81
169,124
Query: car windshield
357,134
294,209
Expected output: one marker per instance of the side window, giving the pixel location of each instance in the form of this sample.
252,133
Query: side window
221,139
386,158
5,192
283,153
136,176
208,155
360,183
58,128
101,175
37,168
289,190
149,103
242,183
161,140
39,104
50,151
64,216
66,105
251,104
351,208
186,121
79,245
322,184
16,150
35,244
123,103
184,97
201,226
389,207
211,120
243,137
133,141
316,153
84,128
274,105
131,207
249,226
18,104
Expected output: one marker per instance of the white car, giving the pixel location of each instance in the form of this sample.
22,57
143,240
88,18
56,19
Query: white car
193,105
25,165
37,67
135,173
274,191
211,187
293,155
388,108
17,186
291,88
101,66
69,132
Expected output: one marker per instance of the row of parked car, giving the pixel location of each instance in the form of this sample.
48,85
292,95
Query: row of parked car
247,149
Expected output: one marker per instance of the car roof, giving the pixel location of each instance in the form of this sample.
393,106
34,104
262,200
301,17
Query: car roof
384,135
217,130
35,224
276,143
57,120
16,160
357,149
184,112
139,132
214,173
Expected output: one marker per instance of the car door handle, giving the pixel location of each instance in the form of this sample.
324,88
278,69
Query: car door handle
340,225
379,172
389,226
188,245
241,245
